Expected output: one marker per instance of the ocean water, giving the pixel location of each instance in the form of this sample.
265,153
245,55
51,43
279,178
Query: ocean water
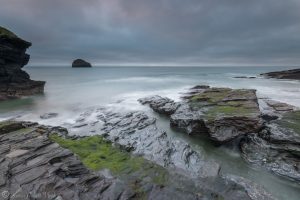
70,91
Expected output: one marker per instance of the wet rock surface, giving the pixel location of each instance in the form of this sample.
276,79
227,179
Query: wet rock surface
160,105
241,185
14,82
277,147
137,133
268,139
34,167
279,107
222,113
48,115
286,74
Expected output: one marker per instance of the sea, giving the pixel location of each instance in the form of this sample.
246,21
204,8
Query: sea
69,91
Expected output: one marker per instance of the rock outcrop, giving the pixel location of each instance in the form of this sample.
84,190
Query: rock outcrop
286,74
34,167
160,105
270,139
81,63
221,113
138,133
14,82
277,147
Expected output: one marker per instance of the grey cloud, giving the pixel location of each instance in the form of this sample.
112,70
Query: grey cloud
186,32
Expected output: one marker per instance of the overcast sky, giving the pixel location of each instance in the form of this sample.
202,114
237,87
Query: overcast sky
157,32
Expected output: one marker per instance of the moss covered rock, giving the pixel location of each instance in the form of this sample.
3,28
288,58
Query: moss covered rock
221,113
6,33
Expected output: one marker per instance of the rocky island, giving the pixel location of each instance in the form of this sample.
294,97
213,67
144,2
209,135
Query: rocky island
286,74
15,82
80,63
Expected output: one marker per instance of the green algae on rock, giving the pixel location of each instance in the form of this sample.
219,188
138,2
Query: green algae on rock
221,113
10,126
227,113
223,102
96,153
32,167
6,33
291,120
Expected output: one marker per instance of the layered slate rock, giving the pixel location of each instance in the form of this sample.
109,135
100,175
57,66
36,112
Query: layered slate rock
14,82
286,74
34,167
138,133
81,63
160,105
277,147
279,107
222,113
190,171
253,190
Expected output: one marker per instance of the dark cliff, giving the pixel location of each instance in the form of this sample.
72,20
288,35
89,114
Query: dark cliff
14,82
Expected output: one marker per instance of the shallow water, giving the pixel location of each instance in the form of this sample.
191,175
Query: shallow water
70,91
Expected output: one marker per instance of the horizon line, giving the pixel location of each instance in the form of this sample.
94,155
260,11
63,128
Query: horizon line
162,65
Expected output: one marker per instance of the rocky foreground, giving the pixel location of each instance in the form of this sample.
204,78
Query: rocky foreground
34,166
268,138
286,74
14,82
106,154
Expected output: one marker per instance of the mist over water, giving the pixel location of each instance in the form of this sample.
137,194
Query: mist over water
70,91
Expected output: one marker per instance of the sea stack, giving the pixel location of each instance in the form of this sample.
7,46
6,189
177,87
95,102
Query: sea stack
81,63
14,82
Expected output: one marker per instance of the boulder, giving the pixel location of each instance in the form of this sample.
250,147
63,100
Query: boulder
160,105
286,74
14,82
81,63
221,113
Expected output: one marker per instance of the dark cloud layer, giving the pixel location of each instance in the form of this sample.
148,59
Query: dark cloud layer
168,32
